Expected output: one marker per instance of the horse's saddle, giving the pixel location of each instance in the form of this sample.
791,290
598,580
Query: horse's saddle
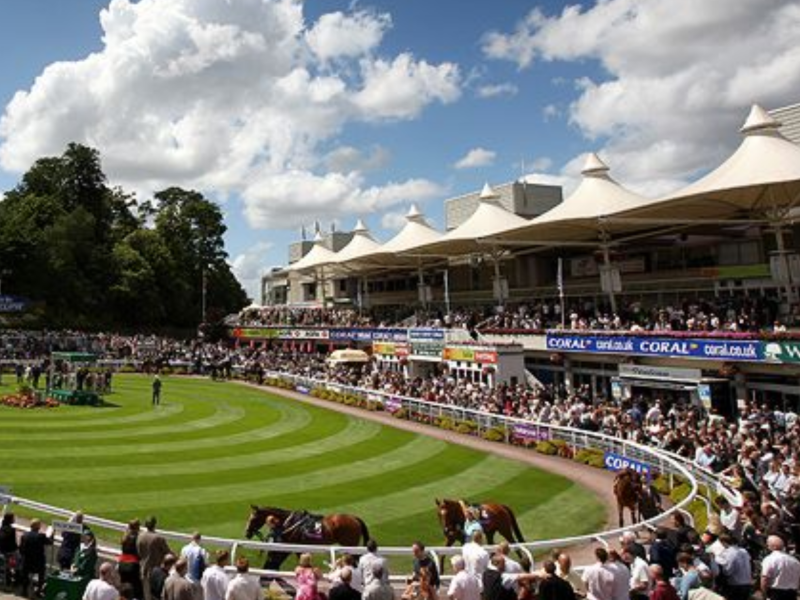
304,524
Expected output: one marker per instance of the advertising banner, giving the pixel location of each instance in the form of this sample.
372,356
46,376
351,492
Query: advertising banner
10,304
526,432
709,349
390,349
393,404
782,352
363,334
425,334
427,349
279,333
470,355
67,527
616,462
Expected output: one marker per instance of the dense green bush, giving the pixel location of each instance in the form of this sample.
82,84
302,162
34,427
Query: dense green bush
494,434
591,457
546,448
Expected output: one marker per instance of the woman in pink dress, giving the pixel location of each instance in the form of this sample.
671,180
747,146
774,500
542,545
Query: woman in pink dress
307,577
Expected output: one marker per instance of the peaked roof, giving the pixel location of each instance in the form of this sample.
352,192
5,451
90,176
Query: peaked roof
578,216
316,257
488,219
763,172
361,244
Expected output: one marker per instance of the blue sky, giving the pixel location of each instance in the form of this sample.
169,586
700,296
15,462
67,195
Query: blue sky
215,96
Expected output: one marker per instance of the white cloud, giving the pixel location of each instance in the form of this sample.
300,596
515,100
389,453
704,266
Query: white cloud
400,89
344,159
338,35
250,265
298,196
542,163
230,98
678,77
497,90
393,220
477,157
550,111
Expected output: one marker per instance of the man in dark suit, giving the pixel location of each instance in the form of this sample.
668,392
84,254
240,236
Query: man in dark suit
32,554
552,587
343,590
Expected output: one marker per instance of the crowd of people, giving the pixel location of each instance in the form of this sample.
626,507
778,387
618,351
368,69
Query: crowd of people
734,314
758,453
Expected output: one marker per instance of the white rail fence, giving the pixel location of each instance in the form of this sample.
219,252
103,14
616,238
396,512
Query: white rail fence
658,460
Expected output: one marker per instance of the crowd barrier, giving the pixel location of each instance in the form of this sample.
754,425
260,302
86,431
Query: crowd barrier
659,461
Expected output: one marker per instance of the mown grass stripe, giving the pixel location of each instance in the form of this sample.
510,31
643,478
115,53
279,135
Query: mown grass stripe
170,411
353,434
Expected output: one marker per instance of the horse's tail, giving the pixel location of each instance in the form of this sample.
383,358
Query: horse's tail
364,530
514,525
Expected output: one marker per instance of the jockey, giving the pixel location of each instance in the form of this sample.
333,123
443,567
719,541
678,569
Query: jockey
275,527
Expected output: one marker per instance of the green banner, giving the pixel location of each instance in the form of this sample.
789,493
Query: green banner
783,352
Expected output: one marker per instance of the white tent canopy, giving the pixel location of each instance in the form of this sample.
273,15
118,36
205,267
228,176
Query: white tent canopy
362,244
318,256
416,232
488,220
578,216
762,174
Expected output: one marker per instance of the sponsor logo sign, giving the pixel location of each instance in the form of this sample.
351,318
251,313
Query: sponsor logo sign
9,304
279,333
392,404
389,349
783,352
470,355
529,433
425,334
67,527
652,372
354,334
428,349
616,462
729,350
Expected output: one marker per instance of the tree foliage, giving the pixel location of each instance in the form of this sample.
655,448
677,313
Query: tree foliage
95,258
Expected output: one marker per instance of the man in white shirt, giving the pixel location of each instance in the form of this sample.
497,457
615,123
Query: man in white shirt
598,579
196,558
215,580
512,566
371,559
463,586
622,576
103,588
780,572
640,583
242,586
476,558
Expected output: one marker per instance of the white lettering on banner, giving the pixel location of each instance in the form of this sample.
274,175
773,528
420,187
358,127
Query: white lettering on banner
68,527
569,343
664,347
653,372
613,462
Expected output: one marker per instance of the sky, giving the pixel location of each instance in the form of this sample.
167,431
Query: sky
291,112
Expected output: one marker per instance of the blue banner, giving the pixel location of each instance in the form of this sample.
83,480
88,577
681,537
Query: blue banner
9,304
426,334
708,349
616,462
363,334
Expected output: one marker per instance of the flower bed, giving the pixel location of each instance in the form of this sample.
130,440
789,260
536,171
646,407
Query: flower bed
27,400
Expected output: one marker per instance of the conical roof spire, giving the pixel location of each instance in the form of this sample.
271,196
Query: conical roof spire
488,193
413,213
360,227
318,239
759,120
594,166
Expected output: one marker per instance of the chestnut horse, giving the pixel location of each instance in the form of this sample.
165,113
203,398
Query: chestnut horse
495,518
337,528
628,491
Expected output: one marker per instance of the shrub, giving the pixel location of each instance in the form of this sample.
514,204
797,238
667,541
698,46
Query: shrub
546,448
444,423
591,457
494,434
464,428
401,413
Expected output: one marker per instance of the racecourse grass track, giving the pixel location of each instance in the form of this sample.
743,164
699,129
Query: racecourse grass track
211,449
